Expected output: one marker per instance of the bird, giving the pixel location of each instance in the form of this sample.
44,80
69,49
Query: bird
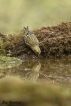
31,40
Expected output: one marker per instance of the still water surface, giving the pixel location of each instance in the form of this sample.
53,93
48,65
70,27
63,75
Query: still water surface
38,70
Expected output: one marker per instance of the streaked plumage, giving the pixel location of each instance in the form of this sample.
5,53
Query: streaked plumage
31,40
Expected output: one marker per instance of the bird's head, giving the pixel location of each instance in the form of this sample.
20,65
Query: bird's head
36,49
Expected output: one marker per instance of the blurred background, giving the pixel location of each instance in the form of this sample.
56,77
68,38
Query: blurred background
16,14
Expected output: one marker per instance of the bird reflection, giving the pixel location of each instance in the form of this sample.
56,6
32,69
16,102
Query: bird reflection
33,74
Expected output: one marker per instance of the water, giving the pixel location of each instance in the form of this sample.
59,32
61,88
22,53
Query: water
38,70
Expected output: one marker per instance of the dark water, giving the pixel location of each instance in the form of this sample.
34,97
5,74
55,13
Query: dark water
38,70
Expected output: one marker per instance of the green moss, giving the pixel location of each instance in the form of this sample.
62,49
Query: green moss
8,62
2,47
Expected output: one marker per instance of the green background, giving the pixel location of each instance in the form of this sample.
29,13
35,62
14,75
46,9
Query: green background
16,14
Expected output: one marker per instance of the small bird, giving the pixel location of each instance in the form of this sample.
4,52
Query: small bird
31,40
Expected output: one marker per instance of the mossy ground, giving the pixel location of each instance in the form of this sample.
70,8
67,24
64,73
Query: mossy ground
55,41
